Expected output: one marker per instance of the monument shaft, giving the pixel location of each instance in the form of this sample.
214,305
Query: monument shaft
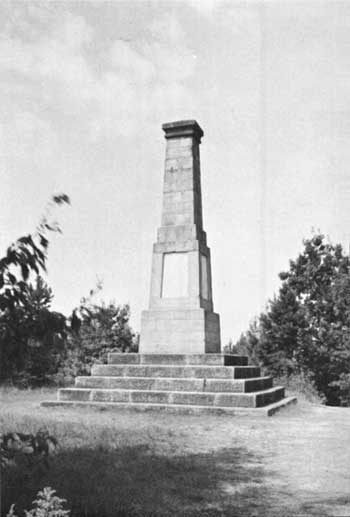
180,318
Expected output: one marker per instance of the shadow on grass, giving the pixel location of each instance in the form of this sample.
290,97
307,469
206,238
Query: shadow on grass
105,482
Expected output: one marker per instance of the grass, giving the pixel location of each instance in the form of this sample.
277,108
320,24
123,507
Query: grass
148,464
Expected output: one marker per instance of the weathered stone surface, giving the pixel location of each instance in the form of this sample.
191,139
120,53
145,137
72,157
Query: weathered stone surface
181,270
211,372
195,398
176,359
179,409
175,384
179,383
186,331
74,394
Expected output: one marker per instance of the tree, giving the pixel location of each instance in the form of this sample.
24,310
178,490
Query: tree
35,337
306,328
26,323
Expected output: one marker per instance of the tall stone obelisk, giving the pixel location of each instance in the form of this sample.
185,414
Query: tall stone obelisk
180,318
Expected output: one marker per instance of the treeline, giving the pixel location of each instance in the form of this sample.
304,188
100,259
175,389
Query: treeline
39,346
42,347
305,331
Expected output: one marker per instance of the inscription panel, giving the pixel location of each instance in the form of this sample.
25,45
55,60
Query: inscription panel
175,275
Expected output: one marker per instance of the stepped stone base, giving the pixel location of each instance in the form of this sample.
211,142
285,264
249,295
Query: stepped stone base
177,383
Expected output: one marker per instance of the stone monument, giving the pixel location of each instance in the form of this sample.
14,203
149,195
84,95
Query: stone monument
180,318
174,371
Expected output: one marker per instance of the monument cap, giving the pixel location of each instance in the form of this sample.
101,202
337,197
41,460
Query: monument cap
183,128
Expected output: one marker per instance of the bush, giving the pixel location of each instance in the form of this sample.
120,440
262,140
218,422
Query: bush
96,330
33,337
47,504
343,386
301,385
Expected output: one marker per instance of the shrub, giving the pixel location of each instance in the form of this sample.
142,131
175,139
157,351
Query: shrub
35,447
47,504
343,385
96,330
301,385
33,336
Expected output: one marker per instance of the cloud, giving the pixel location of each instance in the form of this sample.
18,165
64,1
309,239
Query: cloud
50,61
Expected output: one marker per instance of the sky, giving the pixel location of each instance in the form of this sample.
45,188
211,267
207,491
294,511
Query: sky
85,88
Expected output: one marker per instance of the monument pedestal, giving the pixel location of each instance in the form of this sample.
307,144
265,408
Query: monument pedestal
193,331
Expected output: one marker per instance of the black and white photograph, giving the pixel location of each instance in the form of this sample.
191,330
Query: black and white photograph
174,258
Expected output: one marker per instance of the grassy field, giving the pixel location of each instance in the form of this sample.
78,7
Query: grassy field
296,463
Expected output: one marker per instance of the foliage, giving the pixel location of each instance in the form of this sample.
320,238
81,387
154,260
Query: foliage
343,386
306,327
247,344
302,385
39,346
25,256
47,504
33,336
97,329
26,324
35,447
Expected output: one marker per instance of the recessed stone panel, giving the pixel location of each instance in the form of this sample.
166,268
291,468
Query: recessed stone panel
175,275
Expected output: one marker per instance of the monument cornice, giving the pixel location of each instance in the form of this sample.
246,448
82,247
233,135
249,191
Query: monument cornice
183,128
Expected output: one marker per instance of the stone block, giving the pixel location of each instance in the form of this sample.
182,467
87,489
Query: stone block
261,383
178,359
111,370
175,409
156,397
181,161
110,396
195,399
180,143
74,394
180,331
270,396
235,400
179,152
244,372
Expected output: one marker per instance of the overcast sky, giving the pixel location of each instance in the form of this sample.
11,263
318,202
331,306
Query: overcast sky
85,87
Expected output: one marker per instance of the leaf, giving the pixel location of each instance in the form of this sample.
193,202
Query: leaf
12,278
43,241
61,199
24,271
25,240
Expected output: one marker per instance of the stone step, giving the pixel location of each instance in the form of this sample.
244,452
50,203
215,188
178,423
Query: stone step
212,372
179,359
255,399
176,409
173,384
